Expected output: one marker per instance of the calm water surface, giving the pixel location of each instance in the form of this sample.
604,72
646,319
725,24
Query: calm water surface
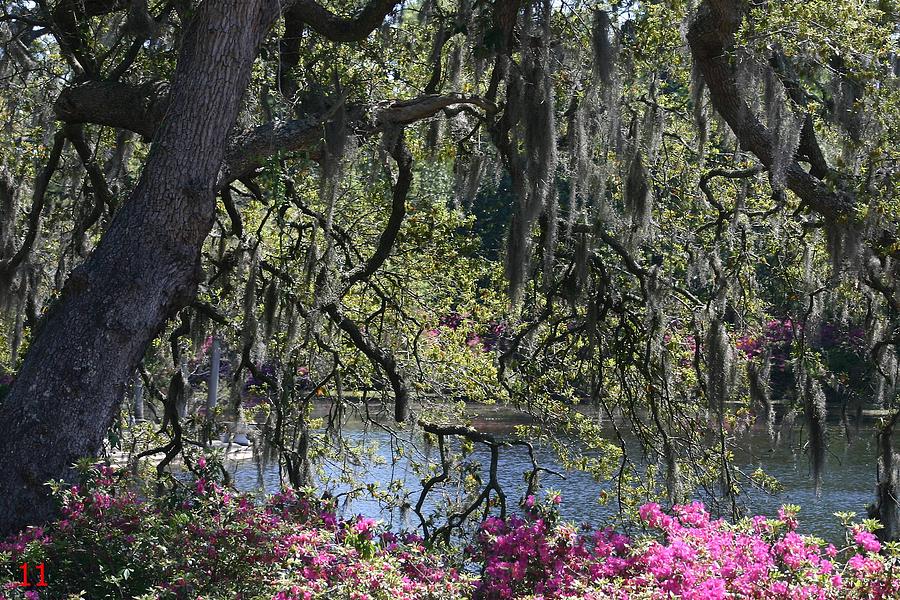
848,483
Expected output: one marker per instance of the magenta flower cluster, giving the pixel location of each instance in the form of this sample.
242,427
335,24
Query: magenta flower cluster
205,542
777,336
692,556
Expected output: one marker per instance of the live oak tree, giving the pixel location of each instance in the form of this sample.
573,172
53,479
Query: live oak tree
146,266
671,180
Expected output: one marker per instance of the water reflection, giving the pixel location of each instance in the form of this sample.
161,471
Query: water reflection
848,484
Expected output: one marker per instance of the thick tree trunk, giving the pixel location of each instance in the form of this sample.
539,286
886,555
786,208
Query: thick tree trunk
887,505
144,269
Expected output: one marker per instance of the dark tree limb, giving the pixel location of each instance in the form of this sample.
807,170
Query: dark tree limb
341,29
289,50
404,112
428,485
711,39
210,312
395,221
138,108
377,355
809,148
440,39
250,149
237,224
9,266
102,195
456,520
724,213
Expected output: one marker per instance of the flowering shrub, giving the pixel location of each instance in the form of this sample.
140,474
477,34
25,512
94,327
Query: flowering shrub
777,336
843,344
488,337
694,557
205,542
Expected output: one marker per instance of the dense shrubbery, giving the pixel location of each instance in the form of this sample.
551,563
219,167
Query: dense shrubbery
842,346
693,557
205,542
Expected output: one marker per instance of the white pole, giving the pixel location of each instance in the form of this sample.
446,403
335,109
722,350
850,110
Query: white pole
181,406
213,398
138,398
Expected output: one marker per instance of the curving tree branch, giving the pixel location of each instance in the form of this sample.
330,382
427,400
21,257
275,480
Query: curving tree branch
711,39
398,212
102,195
342,29
377,355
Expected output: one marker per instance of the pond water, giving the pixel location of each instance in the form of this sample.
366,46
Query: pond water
848,483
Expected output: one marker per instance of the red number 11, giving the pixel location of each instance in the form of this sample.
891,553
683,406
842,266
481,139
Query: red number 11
40,583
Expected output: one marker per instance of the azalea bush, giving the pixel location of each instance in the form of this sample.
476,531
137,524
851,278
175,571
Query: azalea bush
841,345
690,556
201,540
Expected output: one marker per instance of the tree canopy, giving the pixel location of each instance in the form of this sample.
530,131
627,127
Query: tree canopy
650,226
